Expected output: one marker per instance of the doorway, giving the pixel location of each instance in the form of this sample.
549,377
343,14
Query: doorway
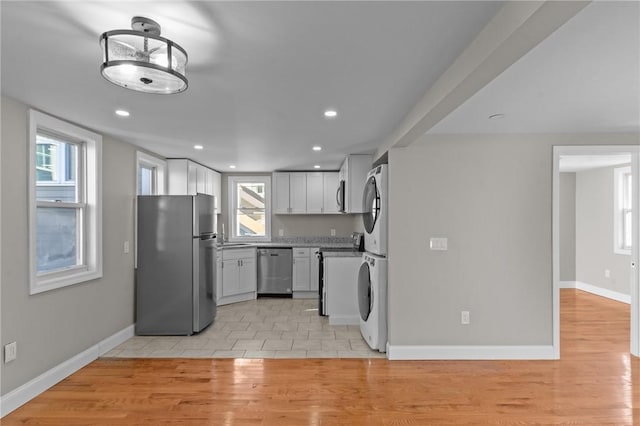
567,158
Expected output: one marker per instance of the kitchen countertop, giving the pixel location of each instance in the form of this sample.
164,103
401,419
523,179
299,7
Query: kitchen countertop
324,246
284,242
329,253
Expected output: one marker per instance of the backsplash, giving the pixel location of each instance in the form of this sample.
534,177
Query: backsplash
311,240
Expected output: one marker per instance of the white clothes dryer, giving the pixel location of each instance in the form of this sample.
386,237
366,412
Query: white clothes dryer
374,204
372,300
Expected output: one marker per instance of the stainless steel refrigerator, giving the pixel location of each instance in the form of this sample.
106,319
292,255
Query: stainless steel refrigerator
176,276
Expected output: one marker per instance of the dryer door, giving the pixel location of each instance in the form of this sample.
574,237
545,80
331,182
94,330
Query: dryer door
370,204
365,295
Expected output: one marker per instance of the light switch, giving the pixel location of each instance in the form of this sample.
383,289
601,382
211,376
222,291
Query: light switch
280,232
126,247
438,244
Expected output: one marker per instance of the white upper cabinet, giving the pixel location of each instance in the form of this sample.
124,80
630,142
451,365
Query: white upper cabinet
298,192
302,192
280,193
330,189
189,178
354,173
315,193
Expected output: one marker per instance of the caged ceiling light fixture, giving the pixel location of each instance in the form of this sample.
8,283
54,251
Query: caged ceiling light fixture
139,59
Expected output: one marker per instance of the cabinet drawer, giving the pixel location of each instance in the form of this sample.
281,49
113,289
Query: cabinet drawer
238,253
301,252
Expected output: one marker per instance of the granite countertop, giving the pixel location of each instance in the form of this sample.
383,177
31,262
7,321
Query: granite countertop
329,253
311,242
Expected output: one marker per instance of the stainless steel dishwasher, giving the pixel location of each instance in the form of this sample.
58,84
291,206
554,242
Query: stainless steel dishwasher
275,270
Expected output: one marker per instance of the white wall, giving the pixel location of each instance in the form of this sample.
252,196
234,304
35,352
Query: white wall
53,326
594,233
491,195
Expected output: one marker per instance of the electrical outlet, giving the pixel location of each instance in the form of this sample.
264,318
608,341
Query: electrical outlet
281,232
10,352
126,247
464,318
333,232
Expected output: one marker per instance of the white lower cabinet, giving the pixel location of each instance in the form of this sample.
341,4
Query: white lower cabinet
341,286
305,279
236,276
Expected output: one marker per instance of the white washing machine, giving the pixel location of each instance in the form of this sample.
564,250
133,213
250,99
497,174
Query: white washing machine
372,300
374,203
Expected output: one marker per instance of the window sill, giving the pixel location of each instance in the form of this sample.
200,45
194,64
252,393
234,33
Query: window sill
46,283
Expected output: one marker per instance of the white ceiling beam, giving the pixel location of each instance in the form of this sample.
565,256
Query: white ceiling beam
516,29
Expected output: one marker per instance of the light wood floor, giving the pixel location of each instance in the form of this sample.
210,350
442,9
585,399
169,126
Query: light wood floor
595,383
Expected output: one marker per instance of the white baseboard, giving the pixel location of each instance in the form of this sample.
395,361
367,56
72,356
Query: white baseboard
36,386
344,319
413,352
598,291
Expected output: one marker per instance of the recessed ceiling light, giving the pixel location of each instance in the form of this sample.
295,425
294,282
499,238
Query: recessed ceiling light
198,147
232,166
122,113
316,166
317,148
330,113
496,116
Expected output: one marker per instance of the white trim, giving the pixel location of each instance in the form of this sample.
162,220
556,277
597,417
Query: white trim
634,150
567,284
160,167
618,195
344,319
25,393
231,196
416,352
598,291
92,185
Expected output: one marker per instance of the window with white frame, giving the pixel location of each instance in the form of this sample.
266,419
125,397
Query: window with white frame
150,175
622,210
250,208
65,226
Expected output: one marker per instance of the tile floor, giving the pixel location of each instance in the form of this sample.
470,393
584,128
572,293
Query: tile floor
263,328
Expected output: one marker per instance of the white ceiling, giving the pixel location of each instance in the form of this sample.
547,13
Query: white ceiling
584,78
260,73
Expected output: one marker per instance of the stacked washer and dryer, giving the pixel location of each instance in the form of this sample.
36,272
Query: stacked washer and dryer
372,276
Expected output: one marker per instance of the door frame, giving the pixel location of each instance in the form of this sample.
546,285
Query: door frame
634,270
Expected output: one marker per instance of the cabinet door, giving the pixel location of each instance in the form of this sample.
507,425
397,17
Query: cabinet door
301,273
298,192
315,193
216,189
178,177
314,272
281,193
330,188
201,179
230,277
247,275
219,276
192,178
